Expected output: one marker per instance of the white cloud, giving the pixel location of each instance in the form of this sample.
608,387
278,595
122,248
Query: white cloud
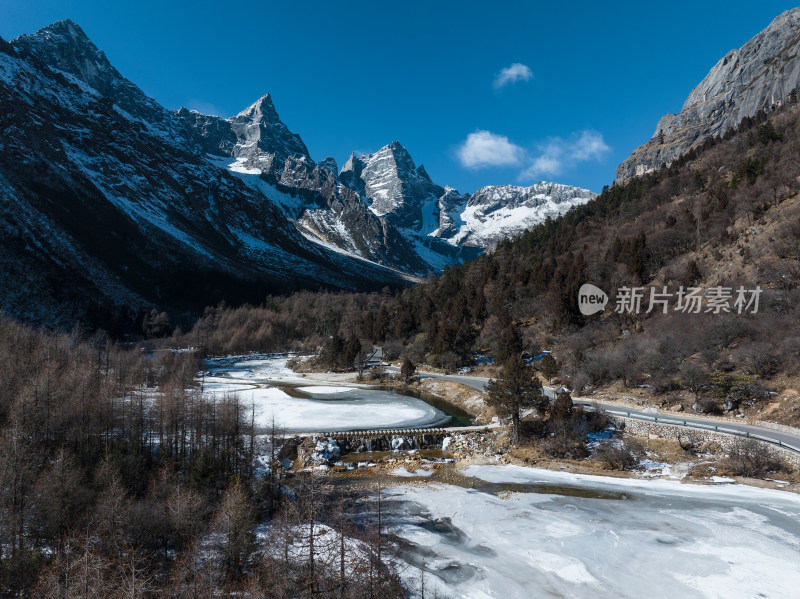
516,72
589,146
484,148
545,163
558,154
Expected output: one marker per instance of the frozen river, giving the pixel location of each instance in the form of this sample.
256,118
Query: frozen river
524,532
299,405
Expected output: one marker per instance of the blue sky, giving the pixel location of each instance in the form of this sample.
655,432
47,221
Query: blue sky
481,93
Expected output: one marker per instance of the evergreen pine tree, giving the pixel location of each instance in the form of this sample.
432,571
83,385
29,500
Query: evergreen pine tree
516,389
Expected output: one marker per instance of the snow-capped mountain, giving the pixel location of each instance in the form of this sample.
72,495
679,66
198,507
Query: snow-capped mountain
136,205
259,149
498,212
428,215
760,75
381,207
109,208
396,190
392,184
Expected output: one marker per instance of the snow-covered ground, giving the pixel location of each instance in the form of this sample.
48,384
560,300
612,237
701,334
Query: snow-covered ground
323,408
537,533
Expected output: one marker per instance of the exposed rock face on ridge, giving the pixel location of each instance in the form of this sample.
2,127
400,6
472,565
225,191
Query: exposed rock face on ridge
441,221
259,127
392,184
258,147
256,137
64,46
759,76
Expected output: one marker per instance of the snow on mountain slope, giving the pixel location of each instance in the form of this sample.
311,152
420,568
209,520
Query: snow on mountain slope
380,207
499,212
391,184
395,188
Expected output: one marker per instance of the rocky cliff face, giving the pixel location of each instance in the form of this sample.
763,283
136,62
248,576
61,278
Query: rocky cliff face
442,222
65,47
759,76
392,184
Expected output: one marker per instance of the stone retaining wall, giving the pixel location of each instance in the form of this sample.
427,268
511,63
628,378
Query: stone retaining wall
644,428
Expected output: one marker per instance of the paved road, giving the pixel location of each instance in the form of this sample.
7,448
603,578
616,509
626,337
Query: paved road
476,382
780,438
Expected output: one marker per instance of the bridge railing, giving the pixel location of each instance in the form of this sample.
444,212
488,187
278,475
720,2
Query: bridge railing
717,428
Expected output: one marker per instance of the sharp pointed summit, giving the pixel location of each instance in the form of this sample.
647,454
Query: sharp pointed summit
238,198
259,129
262,109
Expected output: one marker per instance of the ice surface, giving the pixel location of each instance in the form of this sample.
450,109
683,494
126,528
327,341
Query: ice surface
254,382
325,390
590,536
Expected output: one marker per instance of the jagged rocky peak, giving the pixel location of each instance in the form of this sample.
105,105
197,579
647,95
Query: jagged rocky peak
262,109
497,212
391,184
133,214
258,128
758,76
329,164
423,173
65,46
382,206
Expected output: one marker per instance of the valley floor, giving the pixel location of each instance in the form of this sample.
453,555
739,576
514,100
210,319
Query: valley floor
663,455
487,520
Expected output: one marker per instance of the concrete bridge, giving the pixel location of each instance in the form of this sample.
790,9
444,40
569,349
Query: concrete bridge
402,432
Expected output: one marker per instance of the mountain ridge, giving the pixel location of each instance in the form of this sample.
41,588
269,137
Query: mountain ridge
236,201
105,215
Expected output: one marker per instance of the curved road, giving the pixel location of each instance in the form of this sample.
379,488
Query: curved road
782,439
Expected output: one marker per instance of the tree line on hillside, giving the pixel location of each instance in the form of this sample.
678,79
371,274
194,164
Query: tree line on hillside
120,477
